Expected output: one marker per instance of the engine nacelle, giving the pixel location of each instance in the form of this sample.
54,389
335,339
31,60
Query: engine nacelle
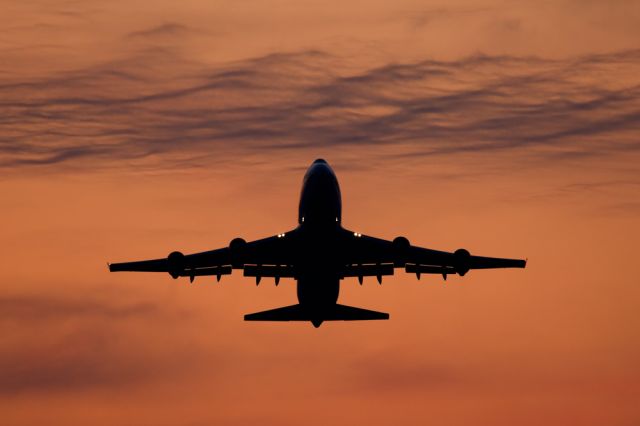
461,257
235,247
175,262
236,243
400,250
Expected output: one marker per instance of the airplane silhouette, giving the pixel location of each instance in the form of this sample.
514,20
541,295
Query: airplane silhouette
318,253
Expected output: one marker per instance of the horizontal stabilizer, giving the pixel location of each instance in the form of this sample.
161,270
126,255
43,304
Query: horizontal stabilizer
334,313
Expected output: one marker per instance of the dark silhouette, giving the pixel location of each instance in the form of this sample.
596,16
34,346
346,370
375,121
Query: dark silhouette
318,254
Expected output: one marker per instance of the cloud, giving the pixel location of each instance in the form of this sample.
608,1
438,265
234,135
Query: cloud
159,108
421,19
71,344
166,29
394,375
42,309
85,360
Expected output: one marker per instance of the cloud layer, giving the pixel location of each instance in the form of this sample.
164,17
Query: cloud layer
160,108
66,344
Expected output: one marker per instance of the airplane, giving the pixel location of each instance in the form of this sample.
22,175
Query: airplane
318,254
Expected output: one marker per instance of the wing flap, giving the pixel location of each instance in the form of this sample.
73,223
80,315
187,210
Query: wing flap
367,270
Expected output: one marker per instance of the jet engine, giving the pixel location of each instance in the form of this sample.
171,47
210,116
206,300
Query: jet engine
400,250
235,247
461,261
175,262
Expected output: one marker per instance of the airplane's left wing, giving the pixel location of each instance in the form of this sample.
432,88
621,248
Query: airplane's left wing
276,250
365,253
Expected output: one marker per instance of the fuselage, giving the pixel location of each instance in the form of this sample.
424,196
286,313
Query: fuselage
320,199
319,218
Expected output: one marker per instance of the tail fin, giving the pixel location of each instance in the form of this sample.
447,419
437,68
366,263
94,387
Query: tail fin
334,313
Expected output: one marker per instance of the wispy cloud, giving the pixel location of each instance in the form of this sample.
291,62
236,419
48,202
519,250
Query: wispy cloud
420,19
138,108
68,344
84,360
27,309
394,374
165,29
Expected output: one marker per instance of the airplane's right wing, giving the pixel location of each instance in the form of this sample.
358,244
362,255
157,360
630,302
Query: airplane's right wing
276,250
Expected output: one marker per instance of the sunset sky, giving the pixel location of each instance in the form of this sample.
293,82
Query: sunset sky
129,129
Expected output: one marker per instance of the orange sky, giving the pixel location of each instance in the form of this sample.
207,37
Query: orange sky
132,129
